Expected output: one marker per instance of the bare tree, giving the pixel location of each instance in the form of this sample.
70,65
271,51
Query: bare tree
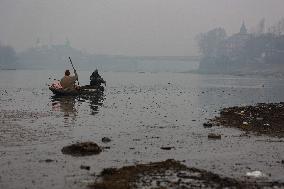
278,28
210,42
261,26
7,55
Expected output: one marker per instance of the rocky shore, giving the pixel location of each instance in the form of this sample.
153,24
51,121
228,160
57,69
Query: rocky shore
170,174
263,118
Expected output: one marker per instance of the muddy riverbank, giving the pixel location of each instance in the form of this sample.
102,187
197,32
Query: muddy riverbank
170,174
263,118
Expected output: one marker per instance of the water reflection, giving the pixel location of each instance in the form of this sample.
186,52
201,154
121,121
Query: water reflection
65,105
69,105
95,102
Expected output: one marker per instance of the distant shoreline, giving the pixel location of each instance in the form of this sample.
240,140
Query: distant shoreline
238,73
8,69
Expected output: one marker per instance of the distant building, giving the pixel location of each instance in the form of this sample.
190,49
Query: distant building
243,30
237,42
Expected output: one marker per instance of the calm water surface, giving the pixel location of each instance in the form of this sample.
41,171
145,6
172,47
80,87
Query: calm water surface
140,112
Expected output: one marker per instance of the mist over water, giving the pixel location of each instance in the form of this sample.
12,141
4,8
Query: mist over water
169,66
126,27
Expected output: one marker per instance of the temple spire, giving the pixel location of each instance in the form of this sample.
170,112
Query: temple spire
243,29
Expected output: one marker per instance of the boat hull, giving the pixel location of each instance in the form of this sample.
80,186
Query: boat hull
84,90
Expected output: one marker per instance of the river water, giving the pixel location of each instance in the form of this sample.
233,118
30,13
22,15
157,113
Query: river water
140,112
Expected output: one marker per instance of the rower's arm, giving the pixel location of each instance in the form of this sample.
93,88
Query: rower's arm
75,77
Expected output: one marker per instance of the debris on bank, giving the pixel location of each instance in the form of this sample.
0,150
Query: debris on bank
263,118
255,174
169,174
82,149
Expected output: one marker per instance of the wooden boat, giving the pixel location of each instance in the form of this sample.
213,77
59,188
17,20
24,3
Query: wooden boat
86,90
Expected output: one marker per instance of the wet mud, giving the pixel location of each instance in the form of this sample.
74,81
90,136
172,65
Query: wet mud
169,174
263,118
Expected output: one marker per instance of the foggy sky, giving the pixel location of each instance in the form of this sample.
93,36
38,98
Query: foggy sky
128,27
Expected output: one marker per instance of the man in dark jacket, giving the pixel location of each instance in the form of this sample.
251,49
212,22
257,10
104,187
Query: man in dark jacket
96,79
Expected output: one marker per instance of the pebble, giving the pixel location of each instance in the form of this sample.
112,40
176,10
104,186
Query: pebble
214,136
86,167
207,125
106,139
166,148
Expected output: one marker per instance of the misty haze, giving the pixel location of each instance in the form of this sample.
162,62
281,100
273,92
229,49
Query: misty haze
128,94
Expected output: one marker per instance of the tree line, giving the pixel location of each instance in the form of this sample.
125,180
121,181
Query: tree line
219,50
7,55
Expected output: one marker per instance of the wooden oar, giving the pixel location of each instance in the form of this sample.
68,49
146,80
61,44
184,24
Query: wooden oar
74,69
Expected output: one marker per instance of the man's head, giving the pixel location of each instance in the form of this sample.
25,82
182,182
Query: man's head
67,72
